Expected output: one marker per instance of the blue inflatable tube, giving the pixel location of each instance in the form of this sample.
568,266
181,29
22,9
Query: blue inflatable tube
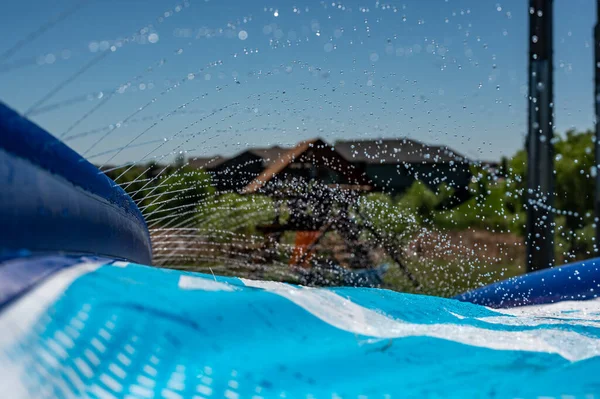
53,200
573,282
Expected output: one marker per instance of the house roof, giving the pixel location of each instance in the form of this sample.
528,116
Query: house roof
271,154
268,156
288,157
394,151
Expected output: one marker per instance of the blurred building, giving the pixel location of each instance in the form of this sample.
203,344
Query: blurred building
386,165
394,164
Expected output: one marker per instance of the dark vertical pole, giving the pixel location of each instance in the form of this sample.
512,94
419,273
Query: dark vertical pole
597,109
540,152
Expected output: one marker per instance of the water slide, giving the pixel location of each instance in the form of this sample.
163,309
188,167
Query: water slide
83,315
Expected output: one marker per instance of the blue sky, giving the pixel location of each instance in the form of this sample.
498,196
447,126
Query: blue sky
212,77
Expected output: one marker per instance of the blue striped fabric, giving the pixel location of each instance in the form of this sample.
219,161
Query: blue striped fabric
120,330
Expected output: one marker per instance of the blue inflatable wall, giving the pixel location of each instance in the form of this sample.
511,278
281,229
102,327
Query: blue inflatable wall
578,281
53,200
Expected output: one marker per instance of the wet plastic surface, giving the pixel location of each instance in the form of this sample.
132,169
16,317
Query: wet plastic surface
125,330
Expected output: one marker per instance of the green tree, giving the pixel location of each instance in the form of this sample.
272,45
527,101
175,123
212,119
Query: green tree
167,195
235,213
574,191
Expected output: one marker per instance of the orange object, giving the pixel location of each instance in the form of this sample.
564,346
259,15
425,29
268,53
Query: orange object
304,239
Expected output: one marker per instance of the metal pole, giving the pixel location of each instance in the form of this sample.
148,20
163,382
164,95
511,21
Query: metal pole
597,109
540,152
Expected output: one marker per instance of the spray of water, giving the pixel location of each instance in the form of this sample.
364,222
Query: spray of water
209,115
